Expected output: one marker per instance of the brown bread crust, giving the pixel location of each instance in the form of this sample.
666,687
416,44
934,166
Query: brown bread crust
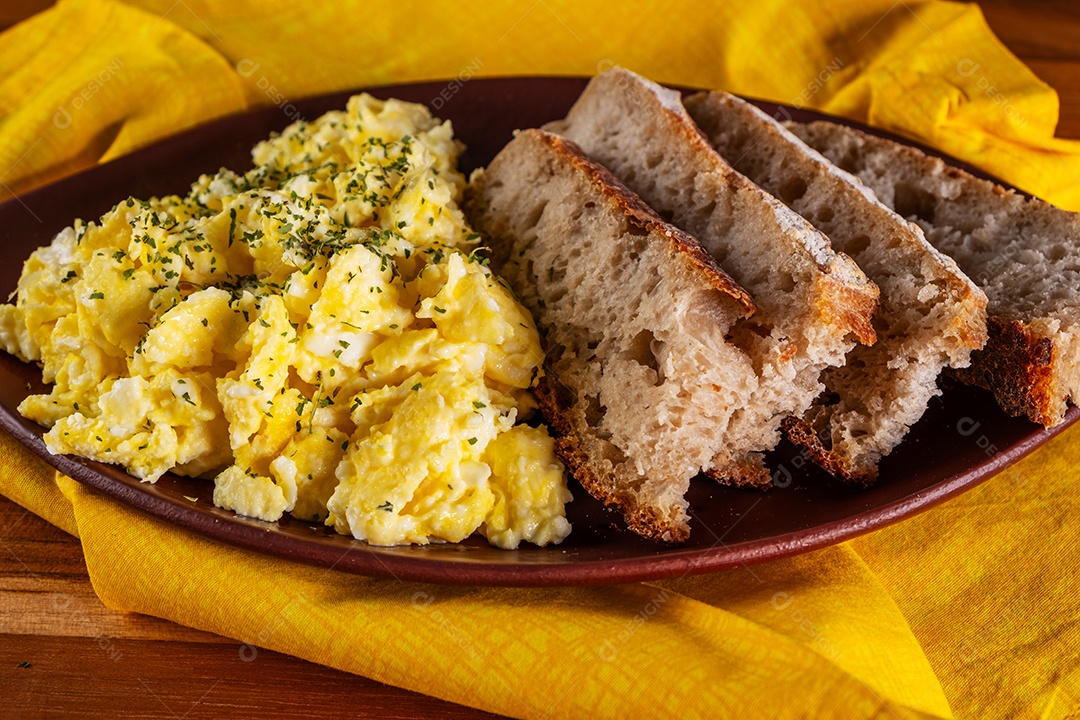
643,520
1017,365
646,219
851,306
802,435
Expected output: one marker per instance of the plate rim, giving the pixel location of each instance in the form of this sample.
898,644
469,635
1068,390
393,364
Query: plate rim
360,558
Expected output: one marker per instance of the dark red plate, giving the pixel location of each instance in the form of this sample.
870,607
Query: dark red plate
963,439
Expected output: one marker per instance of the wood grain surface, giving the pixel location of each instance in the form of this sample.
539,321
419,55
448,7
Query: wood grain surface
65,655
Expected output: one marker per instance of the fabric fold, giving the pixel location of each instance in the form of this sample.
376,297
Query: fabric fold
30,481
988,584
549,652
112,84
832,603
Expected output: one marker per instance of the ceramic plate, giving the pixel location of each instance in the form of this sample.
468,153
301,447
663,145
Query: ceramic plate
963,439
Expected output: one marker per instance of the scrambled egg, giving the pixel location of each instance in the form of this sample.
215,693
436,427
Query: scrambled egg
315,334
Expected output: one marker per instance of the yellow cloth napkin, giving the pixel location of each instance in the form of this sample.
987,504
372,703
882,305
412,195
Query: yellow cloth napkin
972,608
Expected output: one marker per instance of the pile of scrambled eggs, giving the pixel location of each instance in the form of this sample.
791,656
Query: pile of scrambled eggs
314,334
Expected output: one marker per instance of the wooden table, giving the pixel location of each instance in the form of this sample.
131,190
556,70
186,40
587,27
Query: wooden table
87,661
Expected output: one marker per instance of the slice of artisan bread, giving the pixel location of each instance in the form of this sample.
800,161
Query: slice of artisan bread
641,383
1024,253
813,303
930,316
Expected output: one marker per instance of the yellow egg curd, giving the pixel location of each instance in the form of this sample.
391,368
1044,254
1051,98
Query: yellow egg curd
318,335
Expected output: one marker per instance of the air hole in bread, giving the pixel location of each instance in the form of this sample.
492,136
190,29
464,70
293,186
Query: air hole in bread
617,457
634,243
758,329
552,355
850,162
786,282
911,201
1057,253
705,210
558,292
704,311
532,218
594,411
856,245
792,189
644,350
828,398
653,158
824,214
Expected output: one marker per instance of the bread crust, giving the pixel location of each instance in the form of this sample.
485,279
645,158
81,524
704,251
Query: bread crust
1017,365
646,219
802,435
742,474
640,519
851,304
